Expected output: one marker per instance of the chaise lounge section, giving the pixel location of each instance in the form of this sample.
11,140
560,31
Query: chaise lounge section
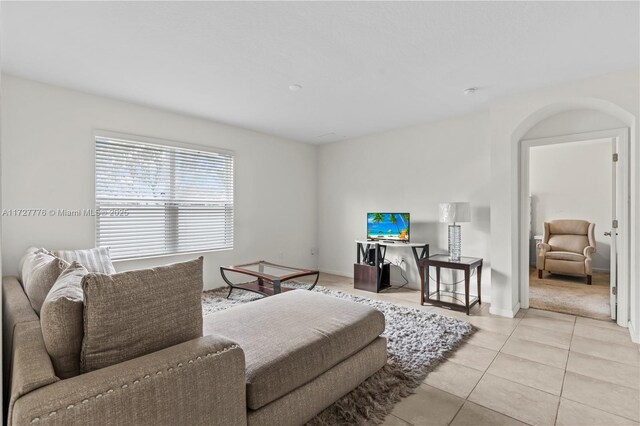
303,351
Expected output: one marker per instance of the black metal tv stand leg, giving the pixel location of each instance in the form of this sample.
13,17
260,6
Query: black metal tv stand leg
423,255
381,252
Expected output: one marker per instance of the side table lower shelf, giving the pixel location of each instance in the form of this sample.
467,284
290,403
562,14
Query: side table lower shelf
453,300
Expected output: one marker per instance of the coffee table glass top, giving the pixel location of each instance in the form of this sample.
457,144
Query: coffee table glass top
266,268
269,270
269,277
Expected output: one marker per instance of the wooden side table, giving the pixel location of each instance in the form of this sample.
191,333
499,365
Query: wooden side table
450,299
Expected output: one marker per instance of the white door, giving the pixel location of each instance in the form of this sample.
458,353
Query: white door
613,233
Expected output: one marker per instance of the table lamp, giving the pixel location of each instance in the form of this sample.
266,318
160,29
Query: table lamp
455,213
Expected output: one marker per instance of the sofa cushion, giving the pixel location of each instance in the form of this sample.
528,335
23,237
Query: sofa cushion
39,272
94,260
61,320
565,255
130,314
294,337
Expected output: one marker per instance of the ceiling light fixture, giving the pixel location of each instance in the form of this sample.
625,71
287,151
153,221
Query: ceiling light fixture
470,91
295,87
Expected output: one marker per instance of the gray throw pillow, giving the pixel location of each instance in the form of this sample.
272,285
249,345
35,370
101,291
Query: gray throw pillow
130,314
95,260
62,322
39,273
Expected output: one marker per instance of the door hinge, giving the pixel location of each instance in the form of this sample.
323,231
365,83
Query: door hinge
614,291
614,224
615,157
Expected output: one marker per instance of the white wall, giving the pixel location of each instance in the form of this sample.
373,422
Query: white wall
407,170
616,94
48,157
48,162
573,181
442,157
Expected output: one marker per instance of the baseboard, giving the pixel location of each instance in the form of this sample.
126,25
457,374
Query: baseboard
340,273
413,286
509,313
635,338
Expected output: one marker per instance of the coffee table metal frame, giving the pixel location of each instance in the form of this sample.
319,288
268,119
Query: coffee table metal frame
273,283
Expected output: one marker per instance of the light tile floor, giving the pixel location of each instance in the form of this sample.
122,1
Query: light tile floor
540,368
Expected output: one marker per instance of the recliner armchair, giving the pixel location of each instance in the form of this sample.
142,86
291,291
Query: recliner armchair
567,248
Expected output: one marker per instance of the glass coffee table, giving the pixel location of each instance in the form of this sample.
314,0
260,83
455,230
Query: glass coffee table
268,277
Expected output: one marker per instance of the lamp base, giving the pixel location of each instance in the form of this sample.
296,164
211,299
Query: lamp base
455,247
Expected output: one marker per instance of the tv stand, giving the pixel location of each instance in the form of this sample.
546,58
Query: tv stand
369,271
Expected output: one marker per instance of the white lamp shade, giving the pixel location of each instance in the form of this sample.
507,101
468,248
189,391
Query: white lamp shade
455,212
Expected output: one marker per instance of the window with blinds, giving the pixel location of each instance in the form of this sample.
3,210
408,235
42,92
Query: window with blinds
154,199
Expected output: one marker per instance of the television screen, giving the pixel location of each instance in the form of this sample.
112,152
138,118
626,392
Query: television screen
388,226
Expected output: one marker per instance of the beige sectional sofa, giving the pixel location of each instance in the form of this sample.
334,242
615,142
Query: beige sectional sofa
279,360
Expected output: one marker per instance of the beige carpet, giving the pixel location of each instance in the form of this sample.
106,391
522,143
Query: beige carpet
570,295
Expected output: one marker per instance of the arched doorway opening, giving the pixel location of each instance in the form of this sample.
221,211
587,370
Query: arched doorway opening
576,130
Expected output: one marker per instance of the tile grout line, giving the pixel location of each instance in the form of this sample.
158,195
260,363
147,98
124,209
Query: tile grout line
600,409
509,335
402,420
457,412
511,381
564,376
483,374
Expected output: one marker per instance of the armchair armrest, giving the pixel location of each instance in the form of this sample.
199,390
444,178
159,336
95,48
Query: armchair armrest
198,382
542,248
588,251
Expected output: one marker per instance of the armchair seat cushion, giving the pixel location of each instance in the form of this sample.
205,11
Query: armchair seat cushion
294,337
565,255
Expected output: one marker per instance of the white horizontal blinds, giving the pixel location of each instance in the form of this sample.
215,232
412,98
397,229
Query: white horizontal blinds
174,200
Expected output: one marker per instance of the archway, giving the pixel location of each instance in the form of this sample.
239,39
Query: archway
520,211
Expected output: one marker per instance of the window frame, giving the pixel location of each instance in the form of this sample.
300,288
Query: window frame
127,137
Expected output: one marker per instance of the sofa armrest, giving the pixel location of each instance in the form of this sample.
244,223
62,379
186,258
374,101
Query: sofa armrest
16,310
588,251
198,382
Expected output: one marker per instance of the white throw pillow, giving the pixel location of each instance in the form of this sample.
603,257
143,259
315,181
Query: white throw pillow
94,260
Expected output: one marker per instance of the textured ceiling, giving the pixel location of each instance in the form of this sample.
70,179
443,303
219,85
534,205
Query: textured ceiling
365,67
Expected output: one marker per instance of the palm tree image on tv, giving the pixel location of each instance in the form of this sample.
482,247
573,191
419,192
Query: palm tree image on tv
388,226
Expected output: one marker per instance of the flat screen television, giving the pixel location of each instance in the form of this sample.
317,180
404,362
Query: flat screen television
388,226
